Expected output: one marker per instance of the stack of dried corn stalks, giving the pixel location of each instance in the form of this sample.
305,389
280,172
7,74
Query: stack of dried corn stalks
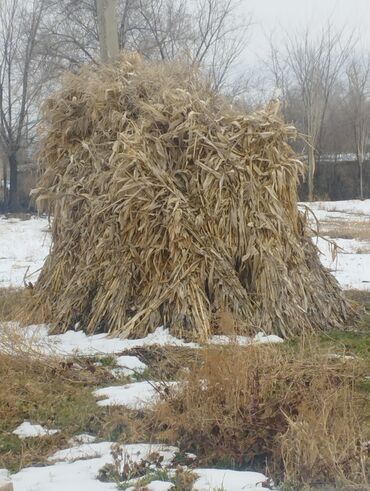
171,207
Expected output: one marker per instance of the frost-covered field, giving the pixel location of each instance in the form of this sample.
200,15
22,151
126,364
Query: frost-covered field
24,245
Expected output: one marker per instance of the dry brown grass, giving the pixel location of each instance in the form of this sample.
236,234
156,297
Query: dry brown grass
294,412
345,229
170,206
53,392
11,303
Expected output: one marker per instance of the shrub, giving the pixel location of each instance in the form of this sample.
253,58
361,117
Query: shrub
294,413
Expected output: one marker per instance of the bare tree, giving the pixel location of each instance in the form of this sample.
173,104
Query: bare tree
207,33
71,33
311,65
219,38
158,29
21,69
358,104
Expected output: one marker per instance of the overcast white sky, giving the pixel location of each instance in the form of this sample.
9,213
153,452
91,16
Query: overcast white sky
282,15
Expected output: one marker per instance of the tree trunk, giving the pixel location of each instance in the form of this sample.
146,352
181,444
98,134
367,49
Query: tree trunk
361,169
311,172
13,182
5,182
108,30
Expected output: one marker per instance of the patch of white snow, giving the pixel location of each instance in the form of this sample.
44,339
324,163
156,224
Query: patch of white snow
128,365
351,270
28,430
134,396
155,486
228,480
259,338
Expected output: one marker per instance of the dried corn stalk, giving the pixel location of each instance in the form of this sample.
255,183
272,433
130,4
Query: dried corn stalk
171,207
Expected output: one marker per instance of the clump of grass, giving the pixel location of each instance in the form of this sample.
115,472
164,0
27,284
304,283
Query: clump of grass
163,362
44,393
11,301
182,480
293,411
127,473
123,469
353,343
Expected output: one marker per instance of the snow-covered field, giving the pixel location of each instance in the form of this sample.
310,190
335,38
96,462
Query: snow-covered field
23,247
24,244
351,266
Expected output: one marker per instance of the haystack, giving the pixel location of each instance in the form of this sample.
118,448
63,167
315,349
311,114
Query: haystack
173,208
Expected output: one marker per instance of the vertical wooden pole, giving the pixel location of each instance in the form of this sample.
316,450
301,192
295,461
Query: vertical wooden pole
108,30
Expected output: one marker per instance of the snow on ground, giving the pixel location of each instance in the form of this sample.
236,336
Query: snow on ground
354,211
82,438
5,479
155,486
229,480
76,469
351,267
28,430
133,452
24,244
74,476
128,366
137,395
36,338
259,338
349,207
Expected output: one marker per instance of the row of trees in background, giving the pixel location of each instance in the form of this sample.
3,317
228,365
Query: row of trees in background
323,85
23,75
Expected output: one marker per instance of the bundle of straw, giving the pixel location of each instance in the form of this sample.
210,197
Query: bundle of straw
171,207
